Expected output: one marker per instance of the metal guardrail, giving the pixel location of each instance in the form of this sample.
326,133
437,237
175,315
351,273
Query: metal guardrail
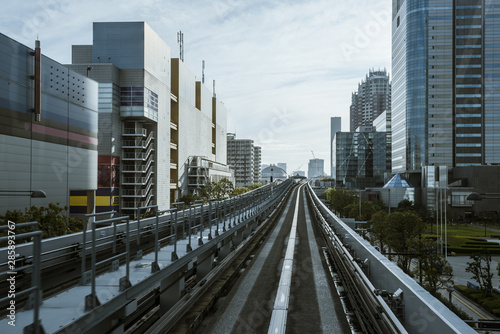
35,290
91,300
228,212
87,222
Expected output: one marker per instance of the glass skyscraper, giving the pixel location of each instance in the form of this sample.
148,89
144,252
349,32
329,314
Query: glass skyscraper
446,72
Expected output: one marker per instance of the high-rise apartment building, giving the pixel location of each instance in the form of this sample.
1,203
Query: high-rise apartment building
48,131
257,163
335,126
446,74
161,133
245,158
372,98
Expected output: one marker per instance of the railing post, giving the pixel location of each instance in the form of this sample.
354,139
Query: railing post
91,300
155,266
37,250
125,281
35,296
189,248
174,256
84,278
200,239
210,221
138,254
177,204
219,216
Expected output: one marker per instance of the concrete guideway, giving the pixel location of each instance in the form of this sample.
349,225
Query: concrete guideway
312,307
163,289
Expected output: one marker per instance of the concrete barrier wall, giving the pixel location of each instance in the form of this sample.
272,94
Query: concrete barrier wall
423,312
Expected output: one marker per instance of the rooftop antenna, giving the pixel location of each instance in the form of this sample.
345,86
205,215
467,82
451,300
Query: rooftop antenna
214,90
202,71
180,40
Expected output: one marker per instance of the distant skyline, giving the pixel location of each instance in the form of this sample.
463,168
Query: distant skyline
281,68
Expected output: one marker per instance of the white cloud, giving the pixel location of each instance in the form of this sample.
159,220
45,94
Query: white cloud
301,58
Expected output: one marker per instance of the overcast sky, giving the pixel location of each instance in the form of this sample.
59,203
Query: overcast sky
282,68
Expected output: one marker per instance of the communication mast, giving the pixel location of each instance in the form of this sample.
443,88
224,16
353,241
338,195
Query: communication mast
180,40
202,71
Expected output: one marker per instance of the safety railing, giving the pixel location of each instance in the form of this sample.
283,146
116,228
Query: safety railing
35,291
91,300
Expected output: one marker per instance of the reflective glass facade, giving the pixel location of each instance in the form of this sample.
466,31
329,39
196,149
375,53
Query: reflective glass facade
491,82
446,71
361,158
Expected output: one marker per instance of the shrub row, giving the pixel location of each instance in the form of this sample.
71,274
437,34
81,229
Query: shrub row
490,304
469,250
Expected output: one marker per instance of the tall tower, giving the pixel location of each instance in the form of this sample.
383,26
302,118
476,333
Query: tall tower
372,98
446,75
335,126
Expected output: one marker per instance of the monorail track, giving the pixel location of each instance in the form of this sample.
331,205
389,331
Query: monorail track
274,261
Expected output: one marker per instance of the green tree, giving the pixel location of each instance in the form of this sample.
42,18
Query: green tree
406,205
367,210
380,228
435,269
225,187
216,190
254,186
480,268
52,220
341,199
239,191
189,198
404,232
327,194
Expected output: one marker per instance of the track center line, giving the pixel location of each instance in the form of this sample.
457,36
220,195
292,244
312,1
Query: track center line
280,311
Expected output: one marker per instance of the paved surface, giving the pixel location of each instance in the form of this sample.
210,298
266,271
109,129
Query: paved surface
313,308
460,277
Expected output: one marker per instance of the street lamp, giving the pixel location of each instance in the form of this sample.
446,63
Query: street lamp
30,193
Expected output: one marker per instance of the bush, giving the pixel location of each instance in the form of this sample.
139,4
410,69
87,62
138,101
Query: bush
51,220
494,303
490,304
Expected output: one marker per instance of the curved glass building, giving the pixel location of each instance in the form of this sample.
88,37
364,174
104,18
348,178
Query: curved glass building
446,74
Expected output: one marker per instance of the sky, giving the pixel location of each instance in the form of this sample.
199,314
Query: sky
282,68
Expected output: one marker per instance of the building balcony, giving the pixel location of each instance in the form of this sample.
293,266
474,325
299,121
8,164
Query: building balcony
173,146
173,126
134,181
127,156
133,169
139,193
135,144
134,132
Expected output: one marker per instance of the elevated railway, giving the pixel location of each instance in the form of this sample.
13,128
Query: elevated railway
272,260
